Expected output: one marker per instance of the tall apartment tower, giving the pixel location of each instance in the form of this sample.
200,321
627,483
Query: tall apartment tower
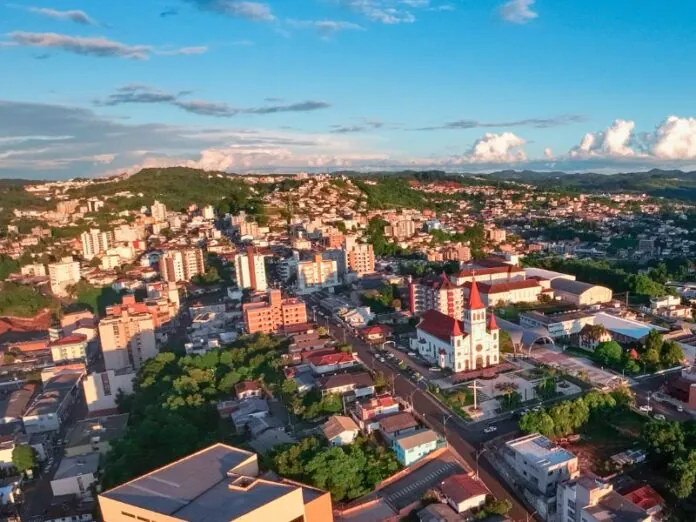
360,258
182,264
63,274
95,242
158,211
251,271
316,274
127,339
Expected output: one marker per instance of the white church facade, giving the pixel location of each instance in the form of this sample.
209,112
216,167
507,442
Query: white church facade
471,343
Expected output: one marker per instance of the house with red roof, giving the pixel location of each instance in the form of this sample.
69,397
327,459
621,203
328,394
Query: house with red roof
459,345
322,363
376,334
463,493
70,348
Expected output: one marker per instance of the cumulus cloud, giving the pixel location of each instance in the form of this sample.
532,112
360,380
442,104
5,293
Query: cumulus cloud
675,139
386,11
255,11
495,148
538,123
518,11
135,93
548,153
97,46
613,142
79,17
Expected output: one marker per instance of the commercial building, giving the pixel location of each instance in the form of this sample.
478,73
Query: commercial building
102,388
273,314
75,476
49,408
251,271
158,211
95,242
95,435
492,275
63,274
360,258
70,348
588,499
522,291
541,466
558,325
465,345
182,264
580,294
127,339
218,484
316,274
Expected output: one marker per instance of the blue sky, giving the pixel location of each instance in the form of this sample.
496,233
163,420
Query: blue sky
470,85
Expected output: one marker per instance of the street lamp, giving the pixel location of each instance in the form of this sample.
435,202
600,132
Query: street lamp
478,454
445,418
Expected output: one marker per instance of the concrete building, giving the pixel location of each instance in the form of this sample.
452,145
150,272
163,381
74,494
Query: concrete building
75,476
580,294
182,264
127,340
15,404
208,212
439,294
588,499
360,258
34,270
274,313
541,466
70,348
492,275
316,274
523,291
95,435
218,484
558,325
95,242
63,274
158,211
49,408
102,388
412,447
465,345
400,229
251,271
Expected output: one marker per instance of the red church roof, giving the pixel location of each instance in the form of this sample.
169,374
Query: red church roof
440,325
492,323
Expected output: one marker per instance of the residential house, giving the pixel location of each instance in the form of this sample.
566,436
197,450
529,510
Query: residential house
340,430
463,492
412,447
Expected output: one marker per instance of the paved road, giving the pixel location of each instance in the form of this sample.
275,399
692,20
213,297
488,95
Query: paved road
644,390
464,440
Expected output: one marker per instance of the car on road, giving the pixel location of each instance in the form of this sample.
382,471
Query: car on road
645,408
524,412
537,408
659,417
411,354
490,429
435,369
680,408
380,358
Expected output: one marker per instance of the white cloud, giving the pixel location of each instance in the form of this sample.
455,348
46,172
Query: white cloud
548,153
79,17
616,141
518,11
674,139
496,148
386,11
325,28
255,11
95,46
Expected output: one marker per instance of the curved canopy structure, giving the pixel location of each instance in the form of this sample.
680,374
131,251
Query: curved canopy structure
524,338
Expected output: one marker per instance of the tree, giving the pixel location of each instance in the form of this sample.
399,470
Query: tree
653,341
609,353
339,471
664,439
23,457
671,354
683,471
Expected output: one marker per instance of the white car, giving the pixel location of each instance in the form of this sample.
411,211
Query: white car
490,429
645,408
659,417
680,408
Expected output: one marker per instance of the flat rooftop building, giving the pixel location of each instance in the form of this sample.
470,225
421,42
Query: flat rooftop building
218,484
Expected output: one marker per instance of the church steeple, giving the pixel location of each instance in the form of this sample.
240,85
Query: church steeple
475,302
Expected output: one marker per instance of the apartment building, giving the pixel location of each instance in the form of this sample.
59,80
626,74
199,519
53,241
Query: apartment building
129,233
218,484
70,348
162,308
182,264
436,294
158,211
274,313
63,274
208,212
102,388
400,229
360,258
95,242
251,271
127,339
316,274
588,499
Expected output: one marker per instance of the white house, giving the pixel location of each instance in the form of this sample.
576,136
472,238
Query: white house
340,430
76,475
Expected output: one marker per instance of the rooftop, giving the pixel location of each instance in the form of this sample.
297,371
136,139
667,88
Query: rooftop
203,487
337,424
361,379
573,287
440,325
612,507
461,487
79,465
540,450
396,422
104,428
14,405
413,440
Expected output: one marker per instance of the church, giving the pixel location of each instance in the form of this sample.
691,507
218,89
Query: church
462,345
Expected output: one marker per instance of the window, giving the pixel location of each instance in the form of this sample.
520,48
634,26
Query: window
129,515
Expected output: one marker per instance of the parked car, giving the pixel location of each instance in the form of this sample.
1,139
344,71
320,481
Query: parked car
680,408
435,369
659,417
411,354
645,408
490,429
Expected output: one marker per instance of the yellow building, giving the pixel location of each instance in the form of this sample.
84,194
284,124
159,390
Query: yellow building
218,484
